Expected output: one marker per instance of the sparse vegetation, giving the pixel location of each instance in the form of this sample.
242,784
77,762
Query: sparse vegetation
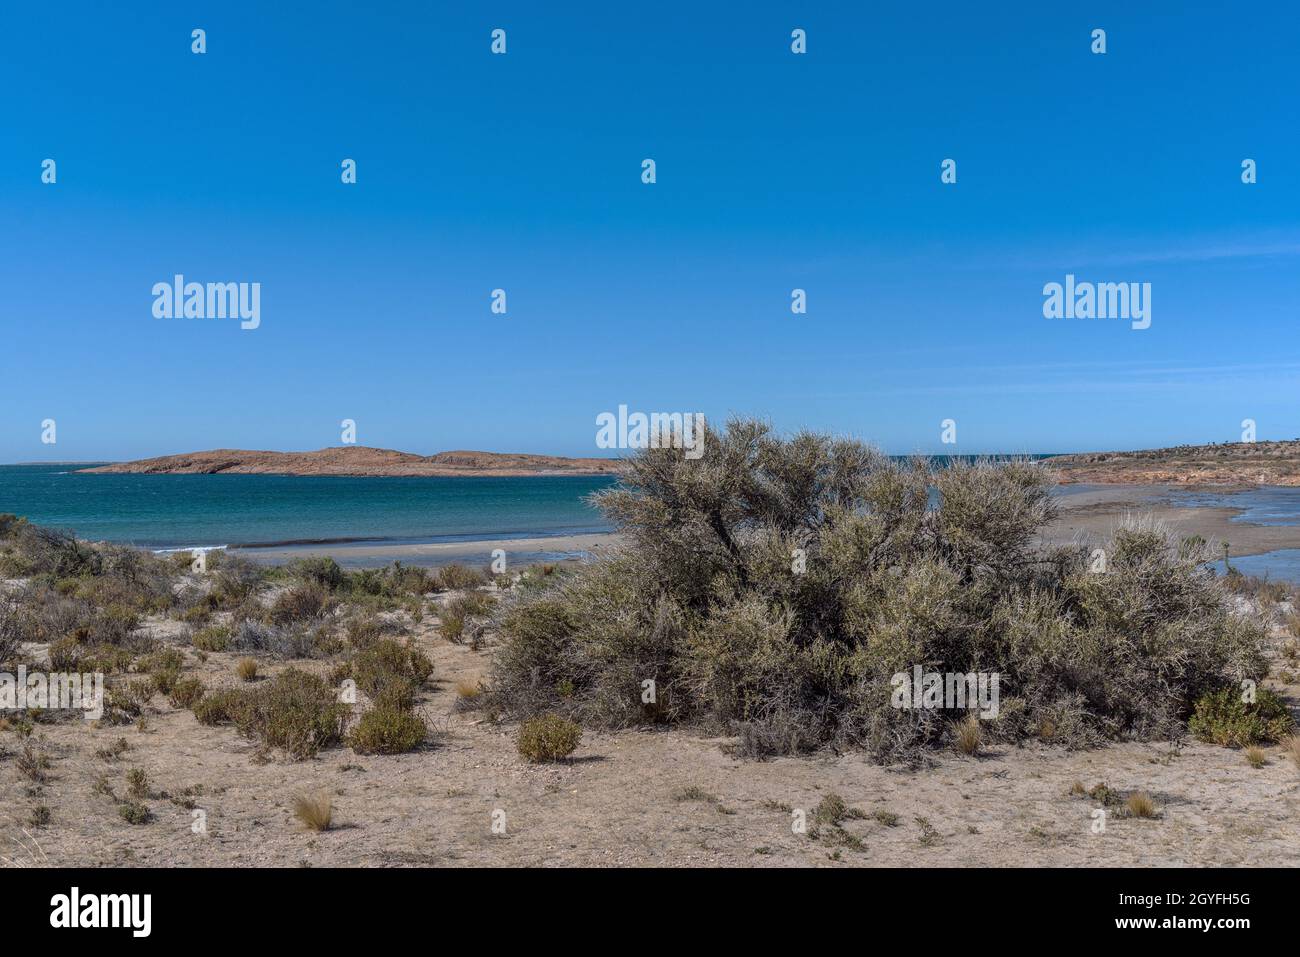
1256,757
246,668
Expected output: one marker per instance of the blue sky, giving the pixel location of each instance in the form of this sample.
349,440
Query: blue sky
522,171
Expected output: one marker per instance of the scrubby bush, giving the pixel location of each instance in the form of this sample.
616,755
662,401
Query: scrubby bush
295,711
234,577
1223,718
464,615
456,577
212,638
387,729
186,692
301,602
773,587
548,737
392,672
322,570
218,707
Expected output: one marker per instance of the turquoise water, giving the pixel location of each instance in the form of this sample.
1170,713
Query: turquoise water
174,511
183,511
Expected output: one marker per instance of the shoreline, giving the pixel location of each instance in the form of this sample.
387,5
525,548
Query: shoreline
1090,514
370,554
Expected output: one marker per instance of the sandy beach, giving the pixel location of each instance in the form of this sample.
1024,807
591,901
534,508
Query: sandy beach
1093,513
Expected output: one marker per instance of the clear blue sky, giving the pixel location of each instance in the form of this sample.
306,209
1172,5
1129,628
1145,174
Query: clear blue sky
522,171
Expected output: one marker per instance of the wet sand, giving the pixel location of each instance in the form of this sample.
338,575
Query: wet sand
1093,513
519,551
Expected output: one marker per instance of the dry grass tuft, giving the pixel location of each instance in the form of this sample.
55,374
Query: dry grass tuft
1256,757
1139,804
246,669
316,811
969,736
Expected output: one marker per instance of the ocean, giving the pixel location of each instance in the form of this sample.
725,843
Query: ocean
194,511
211,511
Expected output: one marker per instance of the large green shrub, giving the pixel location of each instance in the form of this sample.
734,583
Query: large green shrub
772,587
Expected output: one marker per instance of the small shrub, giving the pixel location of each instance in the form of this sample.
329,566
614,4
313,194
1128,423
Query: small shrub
830,810
40,816
316,811
548,738
299,603
246,669
389,670
134,812
321,570
1222,718
212,638
186,692
218,707
456,577
33,761
295,711
387,729
1256,757
137,783
887,818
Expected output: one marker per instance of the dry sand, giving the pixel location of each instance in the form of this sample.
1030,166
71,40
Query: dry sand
620,800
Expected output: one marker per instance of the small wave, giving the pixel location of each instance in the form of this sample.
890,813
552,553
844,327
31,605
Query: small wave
190,549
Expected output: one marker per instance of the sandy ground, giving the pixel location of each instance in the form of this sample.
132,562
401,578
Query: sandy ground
1096,513
622,800
664,798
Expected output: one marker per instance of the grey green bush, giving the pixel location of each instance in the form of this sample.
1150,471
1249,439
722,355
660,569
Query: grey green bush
706,600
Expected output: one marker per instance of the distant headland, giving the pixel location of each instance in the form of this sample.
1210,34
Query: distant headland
358,460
